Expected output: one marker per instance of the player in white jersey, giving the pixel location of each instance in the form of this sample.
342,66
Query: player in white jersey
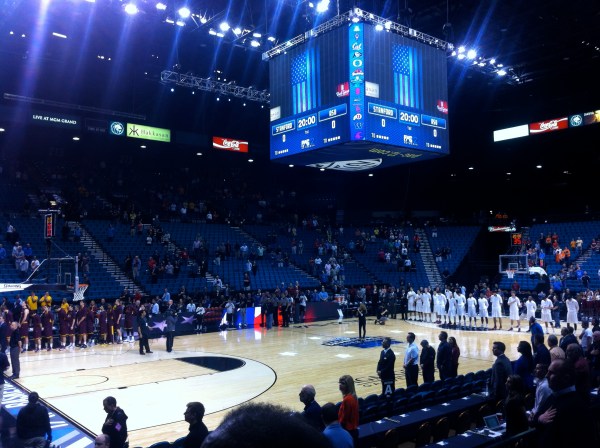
419,305
442,308
546,306
460,307
531,307
426,296
411,295
472,309
483,310
436,306
514,304
572,310
452,309
496,301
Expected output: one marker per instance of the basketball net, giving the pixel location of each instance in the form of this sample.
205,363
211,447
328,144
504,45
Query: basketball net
78,294
510,273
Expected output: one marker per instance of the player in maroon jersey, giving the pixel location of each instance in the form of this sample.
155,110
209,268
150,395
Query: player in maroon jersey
109,325
24,327
81,322
36,324
117,315
102,325
63,326
71,326
91,319
129,318
47,321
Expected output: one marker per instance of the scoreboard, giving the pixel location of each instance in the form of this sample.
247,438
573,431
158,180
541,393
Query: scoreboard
358,98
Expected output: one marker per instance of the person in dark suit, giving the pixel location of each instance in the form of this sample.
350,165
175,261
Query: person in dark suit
385,367
312,409
15,350
444,356
144,332
194,413
563,419
501,370
427,361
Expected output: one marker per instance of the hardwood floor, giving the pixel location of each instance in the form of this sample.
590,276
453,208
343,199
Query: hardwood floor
225,369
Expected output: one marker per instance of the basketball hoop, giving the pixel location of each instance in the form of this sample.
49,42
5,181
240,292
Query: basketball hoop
510,273
78,294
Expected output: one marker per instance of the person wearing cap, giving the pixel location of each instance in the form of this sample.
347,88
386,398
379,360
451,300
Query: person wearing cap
33,424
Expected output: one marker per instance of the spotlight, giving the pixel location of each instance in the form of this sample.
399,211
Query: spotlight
198,153
257,35
172,89
143,146
388,25
212,32
322,6
250,160
501,72
254,43
161,6
184,12
224,26
237,31
472,54
203,20
131,9
62,36
169,21
379,27
180,23
461,49
76,139
271,39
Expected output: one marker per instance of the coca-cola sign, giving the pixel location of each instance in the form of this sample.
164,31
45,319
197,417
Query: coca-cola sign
230,144
549,125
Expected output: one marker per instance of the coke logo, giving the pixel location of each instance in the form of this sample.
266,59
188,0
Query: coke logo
549,125
231,144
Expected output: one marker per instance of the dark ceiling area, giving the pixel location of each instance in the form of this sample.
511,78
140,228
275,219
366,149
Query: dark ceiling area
112,61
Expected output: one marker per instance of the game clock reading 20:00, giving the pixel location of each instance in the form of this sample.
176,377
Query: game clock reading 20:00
409,118
307,121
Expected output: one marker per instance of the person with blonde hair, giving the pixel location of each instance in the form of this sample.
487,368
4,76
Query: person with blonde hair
348,412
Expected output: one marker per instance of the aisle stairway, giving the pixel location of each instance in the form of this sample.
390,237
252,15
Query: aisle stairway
431,269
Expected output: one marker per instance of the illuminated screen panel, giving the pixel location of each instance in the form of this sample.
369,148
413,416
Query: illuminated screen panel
358,98
310,106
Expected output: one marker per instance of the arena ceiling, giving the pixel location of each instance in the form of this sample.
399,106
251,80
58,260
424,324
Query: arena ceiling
112,60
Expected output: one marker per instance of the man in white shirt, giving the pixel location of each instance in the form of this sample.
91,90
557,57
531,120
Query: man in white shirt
426,305
483,310
572,310
472,310
531,307
514,303
411,360
496,301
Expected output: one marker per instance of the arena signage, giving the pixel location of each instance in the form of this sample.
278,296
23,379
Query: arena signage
148,133
230,144
55,120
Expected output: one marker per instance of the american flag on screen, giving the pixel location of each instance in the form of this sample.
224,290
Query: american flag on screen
305,81
408,77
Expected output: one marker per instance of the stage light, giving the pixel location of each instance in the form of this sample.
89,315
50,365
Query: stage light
131,9
291,165
224,26
220,35
143,146
501,72
379,27
271,39
461,56
169,21
198,153
184,12
322,6
388,25
237,31
538,167
203,20
62,36
257,35
212,32
492,61
254,43
370,174
172,89
11,32
471,168
322,169
2,129
250,160
161,6
180,23
461,49
472,54
76,139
